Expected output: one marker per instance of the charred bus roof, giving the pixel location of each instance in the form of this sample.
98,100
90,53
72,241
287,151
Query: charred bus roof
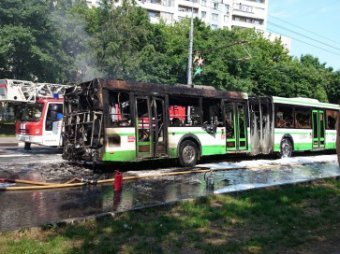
158,89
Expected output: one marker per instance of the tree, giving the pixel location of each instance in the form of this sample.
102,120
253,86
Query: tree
27,41
120,39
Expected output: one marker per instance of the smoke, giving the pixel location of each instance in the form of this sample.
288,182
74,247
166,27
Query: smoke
77,54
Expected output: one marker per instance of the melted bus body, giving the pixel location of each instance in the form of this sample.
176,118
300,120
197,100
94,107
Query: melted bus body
114,120
119,121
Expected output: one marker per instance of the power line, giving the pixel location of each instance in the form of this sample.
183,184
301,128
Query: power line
306,36
308,31
326,50
313,10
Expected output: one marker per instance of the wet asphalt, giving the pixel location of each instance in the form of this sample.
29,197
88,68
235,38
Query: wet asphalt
33,208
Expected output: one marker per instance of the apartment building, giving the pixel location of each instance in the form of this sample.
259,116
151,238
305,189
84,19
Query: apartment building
249,14
216,13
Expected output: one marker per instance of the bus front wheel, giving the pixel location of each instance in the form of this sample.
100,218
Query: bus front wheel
188,154
286,148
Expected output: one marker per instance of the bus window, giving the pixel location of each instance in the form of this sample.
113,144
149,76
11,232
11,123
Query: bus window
284,117
143,123
322,123
212,113
229,118
184,111
302,118
242,124
119,109
331,119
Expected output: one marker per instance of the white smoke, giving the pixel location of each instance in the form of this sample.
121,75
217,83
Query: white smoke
76,43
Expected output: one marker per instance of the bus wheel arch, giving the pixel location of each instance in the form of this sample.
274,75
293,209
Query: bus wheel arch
286,146
189,150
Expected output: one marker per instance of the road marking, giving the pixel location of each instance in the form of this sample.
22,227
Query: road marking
14,155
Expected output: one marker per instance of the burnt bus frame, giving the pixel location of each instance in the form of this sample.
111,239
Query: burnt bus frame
102,87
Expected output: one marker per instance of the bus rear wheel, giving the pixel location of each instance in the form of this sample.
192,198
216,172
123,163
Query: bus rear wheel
286,148
188,154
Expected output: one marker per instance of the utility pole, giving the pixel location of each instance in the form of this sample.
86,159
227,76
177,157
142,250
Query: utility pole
191,35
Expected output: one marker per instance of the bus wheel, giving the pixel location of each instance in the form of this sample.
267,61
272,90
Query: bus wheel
286,148
188,154
27,146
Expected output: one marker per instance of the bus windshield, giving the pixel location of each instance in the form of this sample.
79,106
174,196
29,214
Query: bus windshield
32,112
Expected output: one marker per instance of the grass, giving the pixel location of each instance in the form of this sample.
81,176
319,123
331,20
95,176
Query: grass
294,219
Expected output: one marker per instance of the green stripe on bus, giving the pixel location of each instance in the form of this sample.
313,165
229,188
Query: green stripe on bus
330,145
120,156
297,147
172,152
305,146
210,150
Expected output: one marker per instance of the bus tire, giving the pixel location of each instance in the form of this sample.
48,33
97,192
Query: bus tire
188,154
286,148
27,146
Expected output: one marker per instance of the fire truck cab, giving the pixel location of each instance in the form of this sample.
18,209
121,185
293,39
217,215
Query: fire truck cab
41,123
40,118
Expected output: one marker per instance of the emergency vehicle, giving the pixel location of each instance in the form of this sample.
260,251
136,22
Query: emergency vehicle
40,118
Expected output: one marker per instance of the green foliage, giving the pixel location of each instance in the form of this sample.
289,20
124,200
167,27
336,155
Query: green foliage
64,40
27,41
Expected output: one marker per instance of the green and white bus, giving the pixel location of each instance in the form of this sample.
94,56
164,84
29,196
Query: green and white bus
287,125
119,121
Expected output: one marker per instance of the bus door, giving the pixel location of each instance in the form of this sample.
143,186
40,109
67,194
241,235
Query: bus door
150,129
158,128
318,125
236,126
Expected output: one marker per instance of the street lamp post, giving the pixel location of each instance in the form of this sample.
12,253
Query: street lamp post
191,34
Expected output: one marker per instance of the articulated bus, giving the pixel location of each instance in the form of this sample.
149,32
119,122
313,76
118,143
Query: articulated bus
119,121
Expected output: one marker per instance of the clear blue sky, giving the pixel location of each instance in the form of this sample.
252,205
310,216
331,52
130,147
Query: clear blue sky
315,22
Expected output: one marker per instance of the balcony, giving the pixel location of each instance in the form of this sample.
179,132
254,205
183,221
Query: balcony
166,3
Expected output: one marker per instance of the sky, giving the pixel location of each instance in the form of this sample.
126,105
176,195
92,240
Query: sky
312,25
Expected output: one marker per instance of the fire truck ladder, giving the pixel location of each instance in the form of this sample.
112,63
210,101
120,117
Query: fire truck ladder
27,91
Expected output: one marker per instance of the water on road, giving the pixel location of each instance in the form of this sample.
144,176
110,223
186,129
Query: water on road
31,208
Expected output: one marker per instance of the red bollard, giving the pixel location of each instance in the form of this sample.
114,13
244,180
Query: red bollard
118,184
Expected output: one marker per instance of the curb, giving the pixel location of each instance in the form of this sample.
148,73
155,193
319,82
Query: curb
9,144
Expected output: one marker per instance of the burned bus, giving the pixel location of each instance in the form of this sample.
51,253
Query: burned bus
115,120
120,121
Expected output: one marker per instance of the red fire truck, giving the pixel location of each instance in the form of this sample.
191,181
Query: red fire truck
41,110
